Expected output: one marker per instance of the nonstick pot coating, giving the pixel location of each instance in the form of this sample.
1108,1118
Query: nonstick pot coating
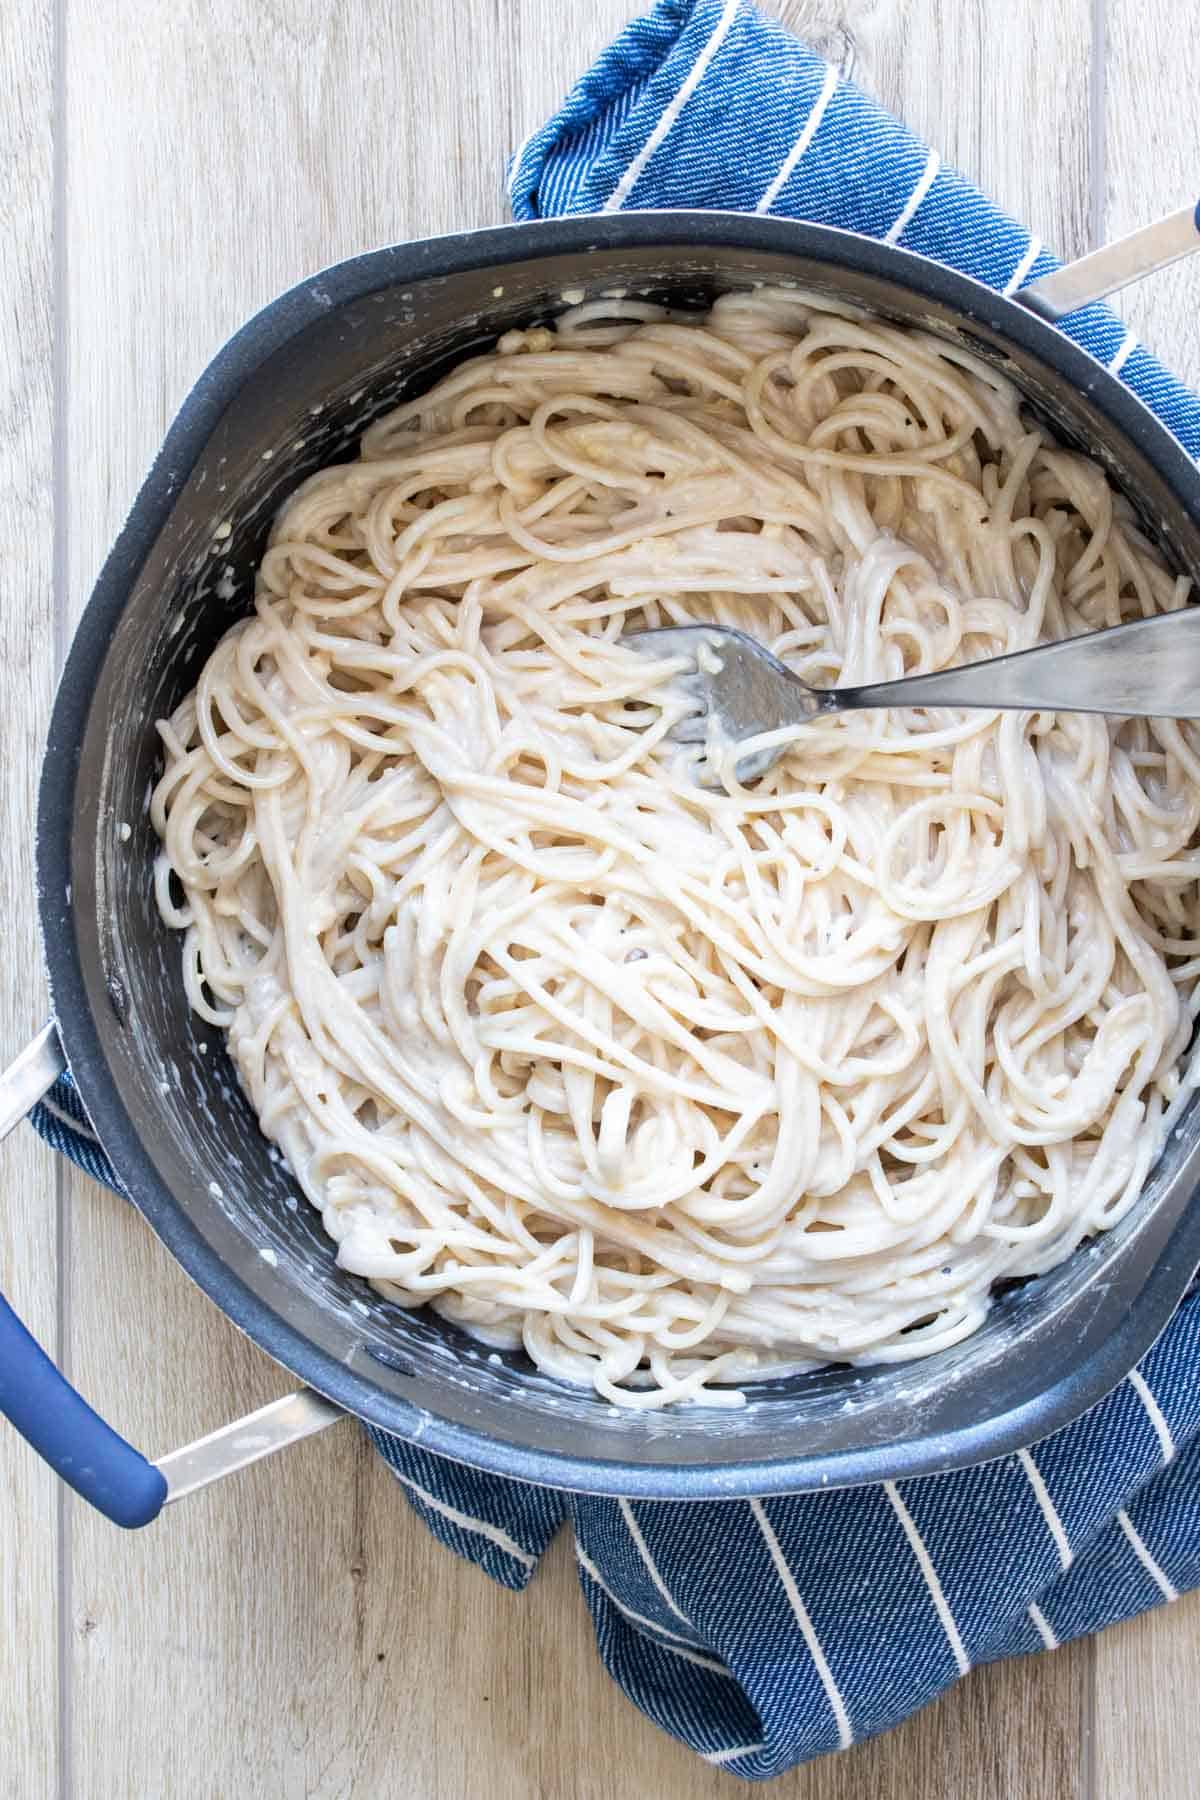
291,393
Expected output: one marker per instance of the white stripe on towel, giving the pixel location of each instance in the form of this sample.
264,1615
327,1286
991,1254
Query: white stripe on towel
643,1551
695,75
800,1612
694,1656
1041,1492
925,1563
801,144
718,1757
64,1118
635,1618
1138,1383
1024,268
1045,1630
483,1527
1165,1587
933,163
1128,343
676,1648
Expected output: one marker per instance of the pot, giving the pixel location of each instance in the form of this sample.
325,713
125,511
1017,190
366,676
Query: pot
290,393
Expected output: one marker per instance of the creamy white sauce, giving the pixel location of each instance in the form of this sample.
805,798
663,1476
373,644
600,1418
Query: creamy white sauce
675,1086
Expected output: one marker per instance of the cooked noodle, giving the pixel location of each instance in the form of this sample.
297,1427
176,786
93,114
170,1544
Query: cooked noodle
678,1086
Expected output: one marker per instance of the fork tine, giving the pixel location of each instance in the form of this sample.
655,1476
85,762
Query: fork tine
693,729
727,676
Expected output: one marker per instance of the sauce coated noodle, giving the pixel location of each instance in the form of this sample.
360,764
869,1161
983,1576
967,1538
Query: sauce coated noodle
675,1086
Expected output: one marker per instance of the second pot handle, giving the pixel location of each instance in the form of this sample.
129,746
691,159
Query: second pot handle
1077,284
58,1423
34,1395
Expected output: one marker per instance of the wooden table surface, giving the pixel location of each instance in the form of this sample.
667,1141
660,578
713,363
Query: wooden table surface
167,168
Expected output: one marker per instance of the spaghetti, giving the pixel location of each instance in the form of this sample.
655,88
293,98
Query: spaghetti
680,1086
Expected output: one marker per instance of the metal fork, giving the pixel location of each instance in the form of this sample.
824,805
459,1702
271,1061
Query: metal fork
1148,669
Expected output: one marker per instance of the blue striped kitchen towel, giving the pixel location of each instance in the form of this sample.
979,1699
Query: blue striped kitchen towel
764,1633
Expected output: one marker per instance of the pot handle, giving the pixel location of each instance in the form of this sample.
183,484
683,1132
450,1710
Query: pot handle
34,1396
1077,284
59,1424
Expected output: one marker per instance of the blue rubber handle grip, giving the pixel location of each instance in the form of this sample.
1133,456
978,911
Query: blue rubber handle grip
60,1425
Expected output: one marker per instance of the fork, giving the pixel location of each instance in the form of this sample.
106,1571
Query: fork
739,690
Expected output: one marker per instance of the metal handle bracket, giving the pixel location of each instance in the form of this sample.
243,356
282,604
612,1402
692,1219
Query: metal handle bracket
59,1424
273,1427
1093,277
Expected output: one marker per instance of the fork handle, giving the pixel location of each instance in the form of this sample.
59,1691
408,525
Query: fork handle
1148,669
